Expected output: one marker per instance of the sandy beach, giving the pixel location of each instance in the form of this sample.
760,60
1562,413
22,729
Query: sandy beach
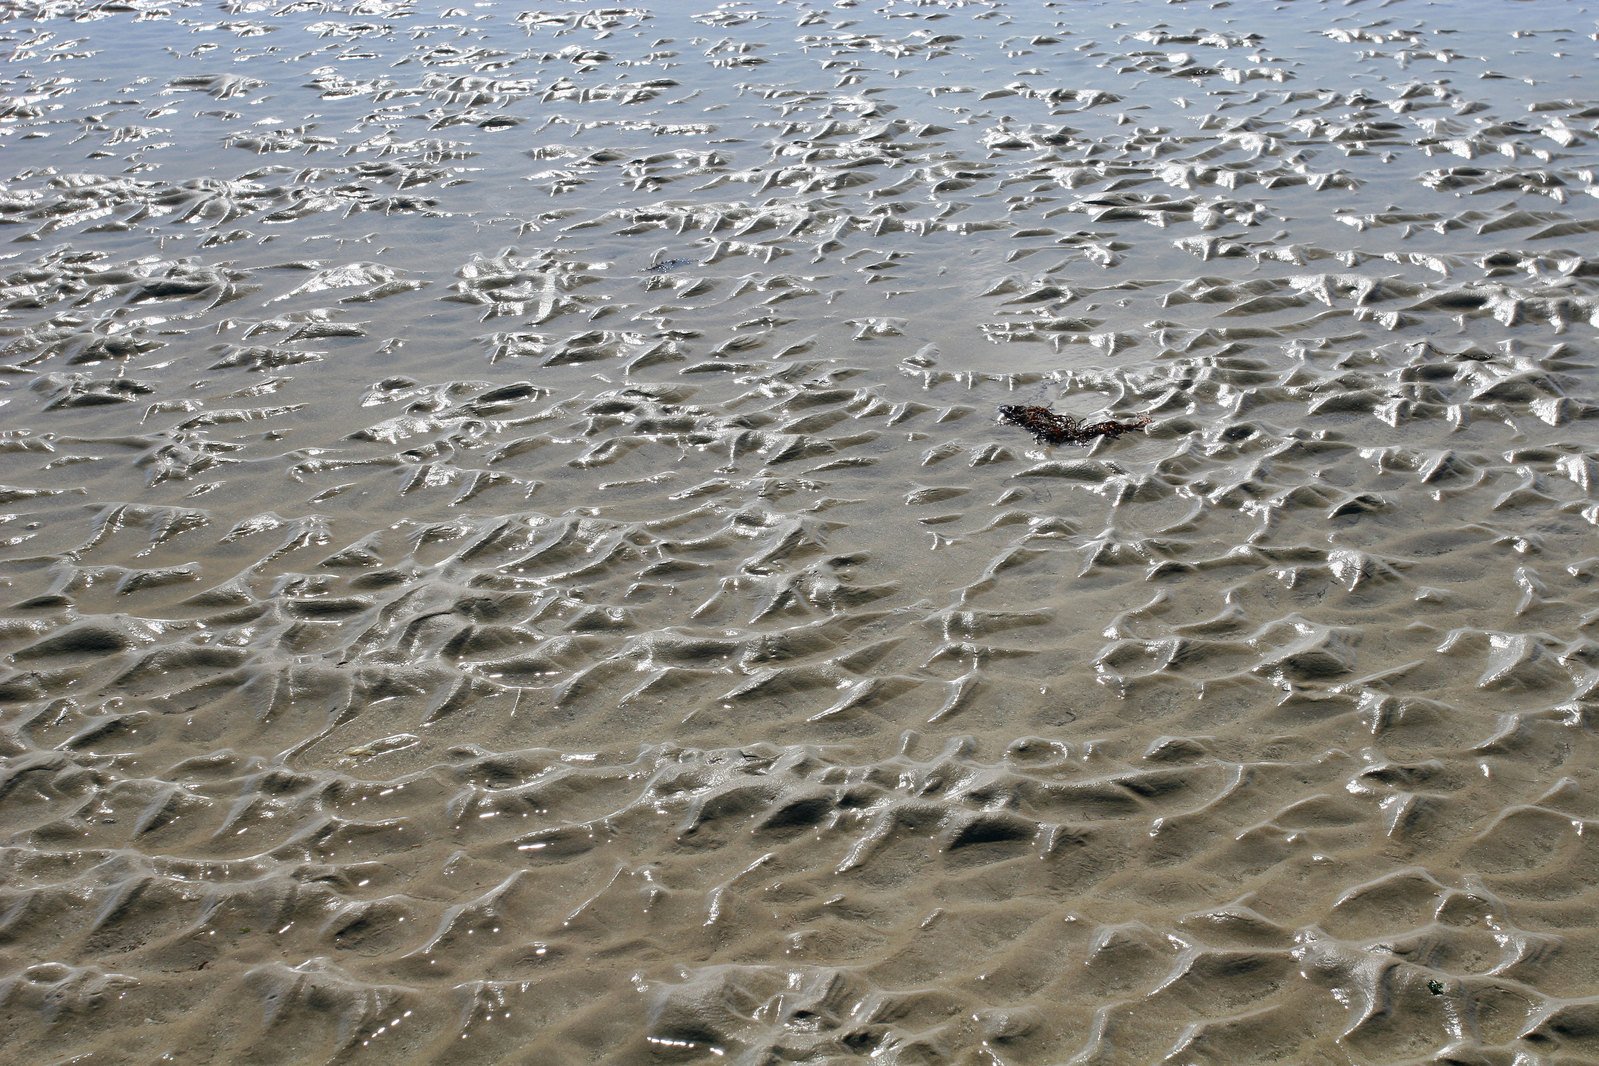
510,551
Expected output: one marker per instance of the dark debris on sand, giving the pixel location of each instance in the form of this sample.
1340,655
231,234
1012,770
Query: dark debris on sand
1050,427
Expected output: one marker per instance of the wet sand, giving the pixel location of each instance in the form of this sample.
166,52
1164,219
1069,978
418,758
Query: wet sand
508,552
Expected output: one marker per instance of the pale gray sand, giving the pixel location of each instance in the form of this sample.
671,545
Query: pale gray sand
508,553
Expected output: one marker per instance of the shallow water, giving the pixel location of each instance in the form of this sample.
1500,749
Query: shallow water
508,553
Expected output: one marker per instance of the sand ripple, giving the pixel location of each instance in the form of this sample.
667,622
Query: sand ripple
507,553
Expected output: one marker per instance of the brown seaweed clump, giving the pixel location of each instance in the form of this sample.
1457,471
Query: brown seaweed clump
1050,427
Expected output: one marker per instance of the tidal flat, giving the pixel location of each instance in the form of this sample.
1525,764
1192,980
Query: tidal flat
510,553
